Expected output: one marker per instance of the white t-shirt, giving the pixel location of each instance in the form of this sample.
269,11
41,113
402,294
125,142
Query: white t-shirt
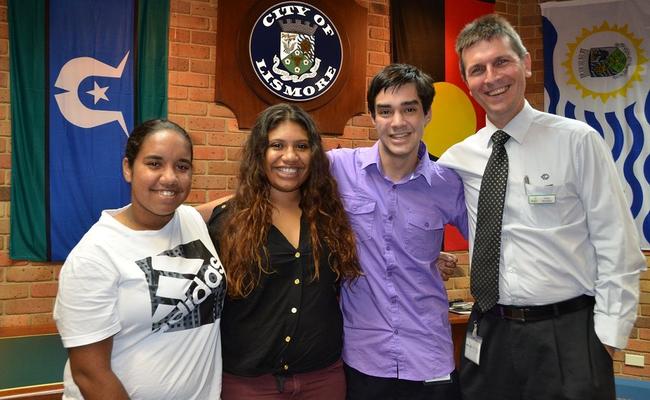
159,294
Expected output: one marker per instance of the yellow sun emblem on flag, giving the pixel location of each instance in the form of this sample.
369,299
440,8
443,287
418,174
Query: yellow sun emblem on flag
605,61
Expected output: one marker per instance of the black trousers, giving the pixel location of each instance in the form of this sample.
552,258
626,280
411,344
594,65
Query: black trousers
553,359
365,387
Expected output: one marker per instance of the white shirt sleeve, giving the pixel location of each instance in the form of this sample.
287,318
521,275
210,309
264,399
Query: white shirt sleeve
614,237
86,304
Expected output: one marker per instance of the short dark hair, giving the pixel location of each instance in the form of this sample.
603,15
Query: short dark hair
487,27
140,133
395,76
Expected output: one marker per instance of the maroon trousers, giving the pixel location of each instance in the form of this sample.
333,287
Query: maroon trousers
325,384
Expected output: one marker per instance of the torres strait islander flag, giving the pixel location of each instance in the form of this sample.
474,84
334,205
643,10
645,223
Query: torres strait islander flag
83,72
596,70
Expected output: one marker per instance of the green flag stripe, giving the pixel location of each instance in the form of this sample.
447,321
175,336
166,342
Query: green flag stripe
28,240
151,79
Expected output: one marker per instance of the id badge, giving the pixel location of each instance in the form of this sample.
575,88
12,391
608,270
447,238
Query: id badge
541,199
473,344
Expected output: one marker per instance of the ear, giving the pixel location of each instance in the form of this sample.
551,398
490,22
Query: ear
527,65
126,170
427,116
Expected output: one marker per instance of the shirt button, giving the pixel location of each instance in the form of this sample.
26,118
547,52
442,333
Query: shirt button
287,339
296,281
396,331
387,248
297,255
390,217
294,310
426,224
285,366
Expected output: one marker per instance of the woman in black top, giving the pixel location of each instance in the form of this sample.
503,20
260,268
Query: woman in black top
286,244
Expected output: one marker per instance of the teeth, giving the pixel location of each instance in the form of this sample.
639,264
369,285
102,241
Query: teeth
288,170
498,91
168,193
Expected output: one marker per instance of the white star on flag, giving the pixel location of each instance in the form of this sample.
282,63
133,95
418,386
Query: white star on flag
98,92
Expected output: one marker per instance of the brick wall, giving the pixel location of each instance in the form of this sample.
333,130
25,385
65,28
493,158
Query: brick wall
27,290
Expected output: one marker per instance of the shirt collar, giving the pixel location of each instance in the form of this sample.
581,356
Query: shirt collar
370,156
517,128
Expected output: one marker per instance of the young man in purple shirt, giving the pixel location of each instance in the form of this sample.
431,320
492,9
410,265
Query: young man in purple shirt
397,337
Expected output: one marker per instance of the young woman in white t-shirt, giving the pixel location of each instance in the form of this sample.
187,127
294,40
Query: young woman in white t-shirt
140,296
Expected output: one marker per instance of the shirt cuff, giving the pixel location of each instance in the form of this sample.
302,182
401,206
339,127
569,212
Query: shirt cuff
612,331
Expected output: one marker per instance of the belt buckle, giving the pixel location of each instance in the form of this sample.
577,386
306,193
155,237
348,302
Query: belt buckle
518,314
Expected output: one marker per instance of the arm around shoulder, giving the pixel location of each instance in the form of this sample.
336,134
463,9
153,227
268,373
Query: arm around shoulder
206,209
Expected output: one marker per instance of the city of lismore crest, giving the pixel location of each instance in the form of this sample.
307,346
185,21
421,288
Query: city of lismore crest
285,55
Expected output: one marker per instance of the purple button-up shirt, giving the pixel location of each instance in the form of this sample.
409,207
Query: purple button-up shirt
395,316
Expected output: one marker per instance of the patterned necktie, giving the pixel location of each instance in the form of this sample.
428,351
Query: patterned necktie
487,242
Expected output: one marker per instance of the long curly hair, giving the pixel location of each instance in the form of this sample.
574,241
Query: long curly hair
248,216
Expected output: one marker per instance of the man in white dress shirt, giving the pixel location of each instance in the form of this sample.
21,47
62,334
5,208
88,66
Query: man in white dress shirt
569,262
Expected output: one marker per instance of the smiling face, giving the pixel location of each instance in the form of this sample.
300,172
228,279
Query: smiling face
496,78
160,178
400,120
287,158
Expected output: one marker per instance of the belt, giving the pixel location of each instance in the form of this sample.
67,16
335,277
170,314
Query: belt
538,313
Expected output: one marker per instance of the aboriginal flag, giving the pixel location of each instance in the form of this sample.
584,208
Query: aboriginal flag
423,33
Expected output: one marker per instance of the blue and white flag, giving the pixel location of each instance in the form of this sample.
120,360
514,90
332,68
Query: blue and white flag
596,70
83,73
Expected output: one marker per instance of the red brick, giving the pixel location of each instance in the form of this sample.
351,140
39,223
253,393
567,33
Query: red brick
188,108
638,345
352,132
199,167
223,168
218,194
178,64
198,138
196,94
375,58
636,371
227,139
204,9
234,153
376,20
12,321
197,197
209,182
46,289
41,319
187,21
205,124
217,110
29,274
206,38
4,63
5,161
177,92
4,47
209,153
179,35
28,306
189,50
180,6
202,66
189,79
376,45
379,33
363,120
14,291
644,333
